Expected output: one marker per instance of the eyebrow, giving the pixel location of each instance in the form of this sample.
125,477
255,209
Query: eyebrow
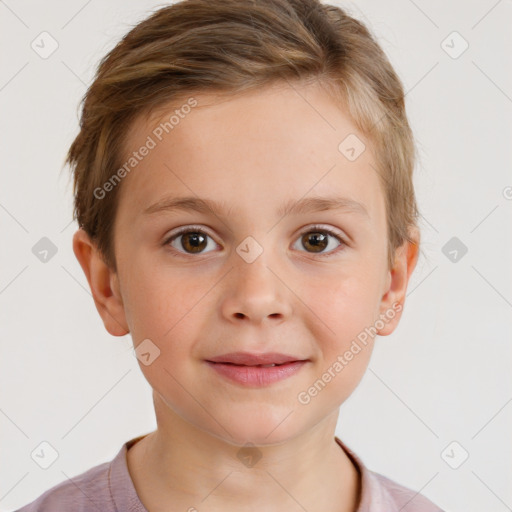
292,207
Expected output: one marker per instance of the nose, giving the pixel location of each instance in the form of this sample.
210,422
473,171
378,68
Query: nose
256,293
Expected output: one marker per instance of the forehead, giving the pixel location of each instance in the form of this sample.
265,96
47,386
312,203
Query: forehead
250,151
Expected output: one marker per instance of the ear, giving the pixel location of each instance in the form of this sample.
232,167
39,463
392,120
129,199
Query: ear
103,282
392,302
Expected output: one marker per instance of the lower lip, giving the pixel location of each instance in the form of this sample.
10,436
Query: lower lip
257,376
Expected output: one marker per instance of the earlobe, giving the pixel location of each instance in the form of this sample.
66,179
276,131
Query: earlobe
392,303
103,283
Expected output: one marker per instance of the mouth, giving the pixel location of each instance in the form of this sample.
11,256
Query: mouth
256,370
250,359
252,365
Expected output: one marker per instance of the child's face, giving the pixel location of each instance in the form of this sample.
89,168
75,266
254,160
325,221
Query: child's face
253,154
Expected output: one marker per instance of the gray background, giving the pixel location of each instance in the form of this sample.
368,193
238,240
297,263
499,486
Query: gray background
442,377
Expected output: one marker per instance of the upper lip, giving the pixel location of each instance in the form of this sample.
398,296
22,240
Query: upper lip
250,359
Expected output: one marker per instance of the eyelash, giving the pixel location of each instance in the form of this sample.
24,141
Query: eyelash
314,228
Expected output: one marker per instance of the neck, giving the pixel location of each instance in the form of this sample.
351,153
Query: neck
192,469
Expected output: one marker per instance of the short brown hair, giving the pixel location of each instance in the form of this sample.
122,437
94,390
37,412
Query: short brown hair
231,46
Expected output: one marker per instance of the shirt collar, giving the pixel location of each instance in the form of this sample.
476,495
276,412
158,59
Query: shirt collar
372,497
120,483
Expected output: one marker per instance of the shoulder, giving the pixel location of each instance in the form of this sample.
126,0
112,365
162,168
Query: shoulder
85,492
396,496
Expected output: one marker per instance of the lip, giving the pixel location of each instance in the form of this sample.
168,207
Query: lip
241,367
251,359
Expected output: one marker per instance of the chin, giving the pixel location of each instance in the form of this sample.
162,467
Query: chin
257,429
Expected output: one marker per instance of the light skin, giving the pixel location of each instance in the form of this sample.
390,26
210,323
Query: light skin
254,153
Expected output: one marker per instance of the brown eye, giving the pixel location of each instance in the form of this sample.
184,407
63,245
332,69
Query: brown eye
189,241
315,240
193,242
318,240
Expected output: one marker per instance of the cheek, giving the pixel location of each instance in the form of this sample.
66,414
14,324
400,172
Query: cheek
165,311
160,300
170,309
346,303
345,340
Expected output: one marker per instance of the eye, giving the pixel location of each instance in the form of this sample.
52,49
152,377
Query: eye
194,240
190,240
317,239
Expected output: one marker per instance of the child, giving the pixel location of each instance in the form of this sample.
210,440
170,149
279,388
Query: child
243,187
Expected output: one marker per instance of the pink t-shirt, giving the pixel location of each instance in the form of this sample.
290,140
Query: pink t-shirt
108,487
